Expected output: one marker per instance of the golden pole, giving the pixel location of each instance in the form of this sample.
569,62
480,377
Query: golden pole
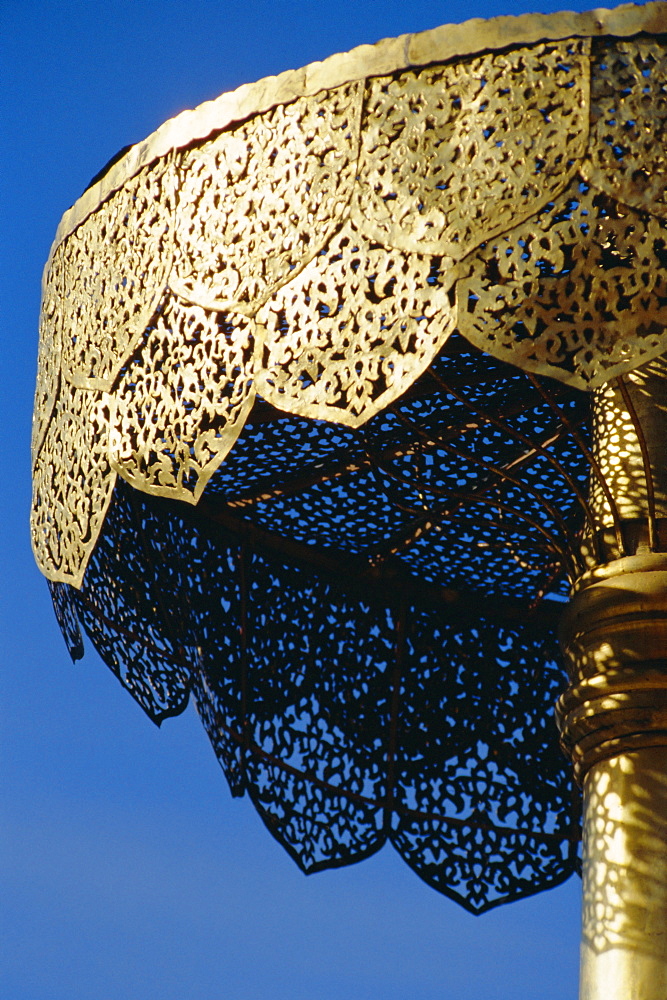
624,927
613,717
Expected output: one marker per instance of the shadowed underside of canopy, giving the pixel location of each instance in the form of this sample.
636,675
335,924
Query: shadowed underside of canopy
368,320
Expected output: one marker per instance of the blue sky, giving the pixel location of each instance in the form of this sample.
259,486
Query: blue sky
127,870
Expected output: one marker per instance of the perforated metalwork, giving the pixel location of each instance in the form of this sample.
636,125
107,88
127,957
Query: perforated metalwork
359,323
114,268
376,288
454,154
578,292
421,731
72,484
256,203
628,149
182,399
366,621
49,351
320,251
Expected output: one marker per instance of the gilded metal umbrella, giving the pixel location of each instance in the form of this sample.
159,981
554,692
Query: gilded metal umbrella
347,380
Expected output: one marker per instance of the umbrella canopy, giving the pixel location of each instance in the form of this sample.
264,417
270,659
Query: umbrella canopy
323,367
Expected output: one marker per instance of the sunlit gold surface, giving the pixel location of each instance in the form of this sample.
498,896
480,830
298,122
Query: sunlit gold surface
613,721
614,636
624,939
316,237
614,631
613,716
625,415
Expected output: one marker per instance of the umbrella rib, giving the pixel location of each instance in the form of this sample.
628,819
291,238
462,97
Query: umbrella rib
178,658
502,472
350,464
355,573
430,520
498,420
588,454
366,800
396,676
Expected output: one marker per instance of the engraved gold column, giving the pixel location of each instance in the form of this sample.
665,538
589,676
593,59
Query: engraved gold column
347,382
614,716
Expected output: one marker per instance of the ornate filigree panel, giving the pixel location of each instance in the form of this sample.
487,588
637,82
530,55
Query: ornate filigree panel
115,267
578,292
48,357
454,154
182,399
316,761
354,329
259,201
251,470
72,484
628,148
